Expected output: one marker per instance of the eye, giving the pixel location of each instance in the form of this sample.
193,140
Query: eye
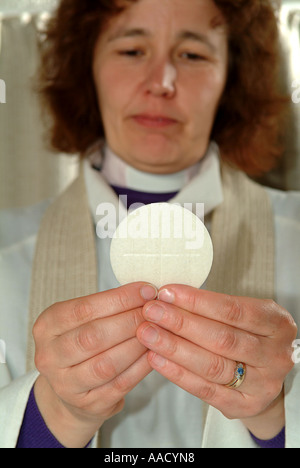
193,56
132,53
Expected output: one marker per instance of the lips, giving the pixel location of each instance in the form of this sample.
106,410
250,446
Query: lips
154,121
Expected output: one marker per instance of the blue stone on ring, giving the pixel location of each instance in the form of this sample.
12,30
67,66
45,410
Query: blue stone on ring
240,371
239,376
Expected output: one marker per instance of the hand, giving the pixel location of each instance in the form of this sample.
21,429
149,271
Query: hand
89,358
196,337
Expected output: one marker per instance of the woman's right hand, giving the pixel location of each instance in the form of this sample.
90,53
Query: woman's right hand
89,358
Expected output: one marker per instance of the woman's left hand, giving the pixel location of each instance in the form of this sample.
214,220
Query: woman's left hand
196,338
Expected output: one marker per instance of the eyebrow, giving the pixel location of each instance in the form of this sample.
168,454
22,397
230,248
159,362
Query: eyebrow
183,35
129,33
198,37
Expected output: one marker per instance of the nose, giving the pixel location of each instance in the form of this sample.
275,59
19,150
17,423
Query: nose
162,80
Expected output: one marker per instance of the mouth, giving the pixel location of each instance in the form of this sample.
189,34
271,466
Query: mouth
154,121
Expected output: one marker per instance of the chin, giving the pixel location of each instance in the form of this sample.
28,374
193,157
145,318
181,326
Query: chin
156,155
156,162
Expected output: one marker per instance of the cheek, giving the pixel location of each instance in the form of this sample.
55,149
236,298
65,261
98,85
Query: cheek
104,88
203,94
115,90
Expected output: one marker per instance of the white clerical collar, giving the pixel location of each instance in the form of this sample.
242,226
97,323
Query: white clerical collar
205,187
118,173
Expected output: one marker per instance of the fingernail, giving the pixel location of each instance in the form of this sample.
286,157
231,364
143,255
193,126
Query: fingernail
150,335
149,292
154,312
166,296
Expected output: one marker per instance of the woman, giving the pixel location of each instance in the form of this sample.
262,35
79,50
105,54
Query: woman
160,80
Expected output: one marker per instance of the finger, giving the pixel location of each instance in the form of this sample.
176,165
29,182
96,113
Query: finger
253,315
233,404
93,338
199,361
110,394
221,339
207,365
103,368
65,316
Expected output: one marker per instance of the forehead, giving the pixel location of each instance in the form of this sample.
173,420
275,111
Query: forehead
166,16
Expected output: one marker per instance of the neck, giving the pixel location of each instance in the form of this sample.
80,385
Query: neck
120,174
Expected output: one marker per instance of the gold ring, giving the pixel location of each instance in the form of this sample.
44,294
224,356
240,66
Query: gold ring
239,376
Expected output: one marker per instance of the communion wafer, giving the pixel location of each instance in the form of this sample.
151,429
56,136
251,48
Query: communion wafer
161,244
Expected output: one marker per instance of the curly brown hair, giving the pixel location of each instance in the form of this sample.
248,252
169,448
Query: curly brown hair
248,125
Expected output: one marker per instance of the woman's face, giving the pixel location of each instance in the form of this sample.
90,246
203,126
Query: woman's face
160,68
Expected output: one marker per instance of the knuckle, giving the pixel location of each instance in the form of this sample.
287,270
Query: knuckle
171,348
285,319
289,324
122,384
41,361
282,317
286,360
233,309
122,299
40,326
178,323
207,392
290,361
86,338
294,331
178,374
137,317
103,369
227,341
38,329
82,311
191,302
216,369
271,304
